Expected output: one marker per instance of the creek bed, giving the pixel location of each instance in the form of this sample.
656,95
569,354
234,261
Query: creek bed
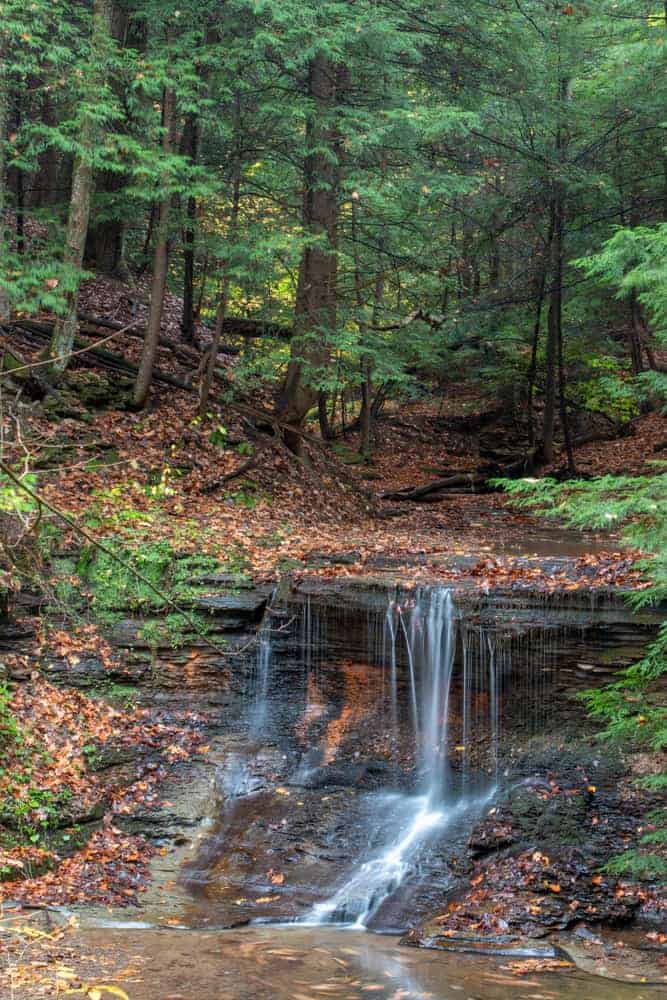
273,963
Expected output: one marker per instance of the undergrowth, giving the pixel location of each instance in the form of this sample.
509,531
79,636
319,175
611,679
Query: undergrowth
628,708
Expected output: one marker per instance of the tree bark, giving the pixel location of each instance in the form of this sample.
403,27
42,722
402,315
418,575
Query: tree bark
223,301
105,245
79,208
326,429
160,262
553,330
4,240
555,319
366,415
315,309
537,327
635,335
190,149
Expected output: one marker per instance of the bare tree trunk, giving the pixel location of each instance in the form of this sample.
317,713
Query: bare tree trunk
223,301
152,217
635,337
366,415
160,264
20,189
553,332
555,319
315,307
564,417
190,149
202,289
4,239
105,245
44,184
65,327
326,429
539,305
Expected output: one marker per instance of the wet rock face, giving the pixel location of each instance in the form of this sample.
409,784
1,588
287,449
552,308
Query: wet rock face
537,855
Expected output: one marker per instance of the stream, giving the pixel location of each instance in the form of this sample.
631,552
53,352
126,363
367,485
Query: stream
369,741
262,963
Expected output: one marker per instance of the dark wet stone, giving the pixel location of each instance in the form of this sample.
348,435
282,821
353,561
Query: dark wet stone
324,777
505,945
105,757
90,672
231,581
334,559
245,604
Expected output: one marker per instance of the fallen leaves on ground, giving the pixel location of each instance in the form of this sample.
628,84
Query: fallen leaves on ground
46,770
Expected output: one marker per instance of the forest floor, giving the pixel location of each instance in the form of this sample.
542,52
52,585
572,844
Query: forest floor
273,509
157,475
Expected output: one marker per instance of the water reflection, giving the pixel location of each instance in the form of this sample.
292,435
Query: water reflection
304,964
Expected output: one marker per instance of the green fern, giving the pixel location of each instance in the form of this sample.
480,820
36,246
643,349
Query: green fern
638,505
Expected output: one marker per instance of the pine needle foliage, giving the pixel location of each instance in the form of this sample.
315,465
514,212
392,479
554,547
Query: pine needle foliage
628,708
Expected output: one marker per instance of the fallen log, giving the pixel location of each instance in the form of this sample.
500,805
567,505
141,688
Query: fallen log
239,327
465,482
472,423
235,326
16,368
215,484
468,482
105,358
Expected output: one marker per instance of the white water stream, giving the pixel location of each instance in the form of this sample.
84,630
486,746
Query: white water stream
428,628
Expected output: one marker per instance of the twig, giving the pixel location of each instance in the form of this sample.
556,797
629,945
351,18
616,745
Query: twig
215,484
71,354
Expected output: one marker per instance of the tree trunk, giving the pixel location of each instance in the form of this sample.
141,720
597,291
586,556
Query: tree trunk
4,240
190,149
564,417
160,263
79,208
555,319
366,415
19,177
539,305
635,335
553,332
326,429
44,184
223,301
315,309
105,246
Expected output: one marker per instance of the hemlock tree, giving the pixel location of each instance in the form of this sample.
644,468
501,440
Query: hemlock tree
95,114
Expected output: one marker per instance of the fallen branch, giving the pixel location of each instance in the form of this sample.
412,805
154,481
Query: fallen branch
75,526
233,325
71,354
87,321
465,482
105,358
216,484
468,482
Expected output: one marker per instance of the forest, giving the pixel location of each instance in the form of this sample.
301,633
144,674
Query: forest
333,498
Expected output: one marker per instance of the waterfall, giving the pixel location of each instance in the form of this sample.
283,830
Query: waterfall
257,709
262,676
427,629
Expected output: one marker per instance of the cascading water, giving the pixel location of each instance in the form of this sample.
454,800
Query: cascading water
428,629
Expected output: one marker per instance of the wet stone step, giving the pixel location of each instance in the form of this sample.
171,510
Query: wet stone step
246,604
